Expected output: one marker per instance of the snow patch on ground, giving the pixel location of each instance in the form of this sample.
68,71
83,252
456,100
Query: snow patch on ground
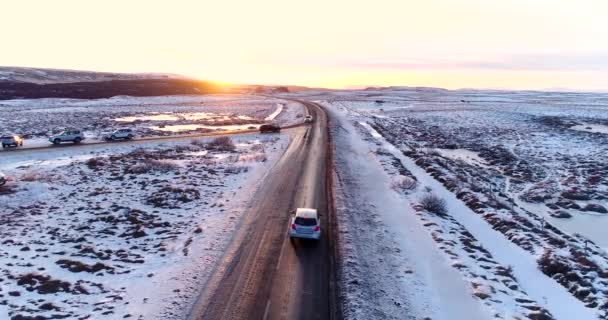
593,128
276,112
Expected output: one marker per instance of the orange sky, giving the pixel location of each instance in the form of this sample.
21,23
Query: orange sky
453,44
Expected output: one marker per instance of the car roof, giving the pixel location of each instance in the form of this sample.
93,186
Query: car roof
306,213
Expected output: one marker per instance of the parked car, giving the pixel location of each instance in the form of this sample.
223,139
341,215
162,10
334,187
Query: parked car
2,179
270,128
305,224
11,141
75,136
308,119
125,134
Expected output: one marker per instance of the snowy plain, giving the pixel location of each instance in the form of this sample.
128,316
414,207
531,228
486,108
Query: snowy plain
37,119
523,176
126,230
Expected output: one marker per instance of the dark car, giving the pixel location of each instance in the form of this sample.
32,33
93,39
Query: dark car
11,141
269,128
2,179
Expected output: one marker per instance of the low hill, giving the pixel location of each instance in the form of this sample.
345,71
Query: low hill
47,76
32,83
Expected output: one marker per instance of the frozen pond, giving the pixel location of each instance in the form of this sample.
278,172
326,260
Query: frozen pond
193,127
206,116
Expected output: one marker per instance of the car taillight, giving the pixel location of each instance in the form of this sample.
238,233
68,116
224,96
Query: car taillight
317,228
293,226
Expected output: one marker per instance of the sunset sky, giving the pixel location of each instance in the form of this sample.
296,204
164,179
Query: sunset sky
527,44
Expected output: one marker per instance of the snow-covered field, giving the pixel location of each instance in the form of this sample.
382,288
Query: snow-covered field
147,116
523,179
122,230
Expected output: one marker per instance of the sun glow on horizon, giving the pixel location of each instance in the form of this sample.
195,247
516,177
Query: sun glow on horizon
452,44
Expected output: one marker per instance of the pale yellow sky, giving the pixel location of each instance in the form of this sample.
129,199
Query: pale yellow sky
528,44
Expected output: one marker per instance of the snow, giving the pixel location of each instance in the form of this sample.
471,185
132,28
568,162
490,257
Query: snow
194,127
152,117
506,163
541,288
399,270
462,154
273,115
36,119
593,128
58,205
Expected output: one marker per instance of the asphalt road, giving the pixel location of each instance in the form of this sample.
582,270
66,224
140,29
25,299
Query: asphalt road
264,275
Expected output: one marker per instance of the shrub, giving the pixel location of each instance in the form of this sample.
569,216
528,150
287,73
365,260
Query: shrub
403,183
235,169
256,157
433,203
94,163
181,148
171,197
198,143
221,144
551,265
258,147
38,176
151,165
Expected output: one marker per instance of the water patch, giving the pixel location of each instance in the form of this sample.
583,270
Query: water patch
152,117
195,127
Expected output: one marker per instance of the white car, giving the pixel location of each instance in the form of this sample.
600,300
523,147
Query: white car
305,224
125,134
308,119
75,136
2,179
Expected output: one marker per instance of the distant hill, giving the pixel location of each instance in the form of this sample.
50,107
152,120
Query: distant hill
46,76
32,83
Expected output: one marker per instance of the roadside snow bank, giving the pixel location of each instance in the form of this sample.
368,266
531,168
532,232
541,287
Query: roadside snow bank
391,267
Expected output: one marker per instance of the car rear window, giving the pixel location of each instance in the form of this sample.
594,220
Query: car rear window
6,137
308,222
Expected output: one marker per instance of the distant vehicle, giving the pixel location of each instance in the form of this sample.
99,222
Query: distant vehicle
126,134
269,128
2,179
305,224
308,119
11,141
75,136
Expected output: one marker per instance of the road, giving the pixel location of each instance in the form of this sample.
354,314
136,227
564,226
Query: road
264,275
145,139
